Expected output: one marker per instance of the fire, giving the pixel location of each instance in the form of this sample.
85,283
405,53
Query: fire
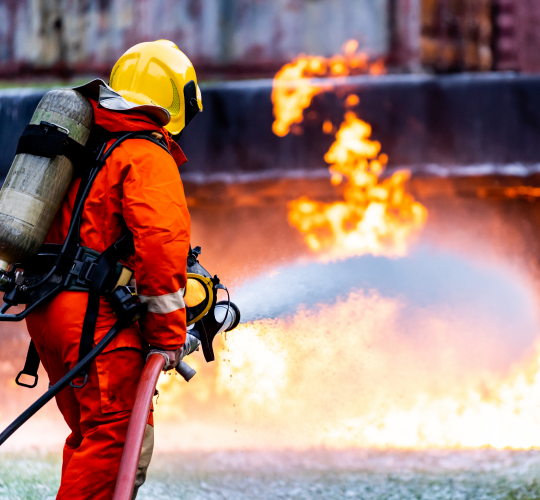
377,217
295,91
294,88
525,191
345,375
365,370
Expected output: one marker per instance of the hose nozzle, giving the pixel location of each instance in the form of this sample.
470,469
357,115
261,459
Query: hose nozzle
191,344
185,370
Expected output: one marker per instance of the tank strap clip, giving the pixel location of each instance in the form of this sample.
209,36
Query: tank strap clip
46,126
50,140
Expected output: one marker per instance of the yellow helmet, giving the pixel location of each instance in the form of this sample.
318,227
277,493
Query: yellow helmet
159,73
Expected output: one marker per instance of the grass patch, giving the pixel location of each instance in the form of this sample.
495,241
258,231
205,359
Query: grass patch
29,477
475,475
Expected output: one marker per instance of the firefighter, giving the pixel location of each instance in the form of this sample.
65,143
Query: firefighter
153,88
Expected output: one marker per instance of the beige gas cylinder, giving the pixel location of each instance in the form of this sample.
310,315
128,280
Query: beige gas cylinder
35,186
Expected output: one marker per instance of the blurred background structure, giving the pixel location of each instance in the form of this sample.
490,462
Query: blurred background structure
390,352
246,38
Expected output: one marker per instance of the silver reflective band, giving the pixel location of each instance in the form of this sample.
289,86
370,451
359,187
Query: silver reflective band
164,304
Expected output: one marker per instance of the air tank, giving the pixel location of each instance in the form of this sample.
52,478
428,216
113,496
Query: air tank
35,186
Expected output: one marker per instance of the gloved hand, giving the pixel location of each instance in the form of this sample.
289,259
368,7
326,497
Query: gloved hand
172,358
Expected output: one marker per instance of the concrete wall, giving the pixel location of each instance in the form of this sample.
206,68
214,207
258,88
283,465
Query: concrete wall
89,35
435,125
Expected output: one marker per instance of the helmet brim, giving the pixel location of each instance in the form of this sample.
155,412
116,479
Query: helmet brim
108,98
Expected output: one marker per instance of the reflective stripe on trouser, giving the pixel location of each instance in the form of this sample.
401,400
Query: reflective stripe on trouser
164,304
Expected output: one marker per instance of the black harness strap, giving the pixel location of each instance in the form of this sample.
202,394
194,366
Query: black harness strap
149,137
31,366
106,262
123,247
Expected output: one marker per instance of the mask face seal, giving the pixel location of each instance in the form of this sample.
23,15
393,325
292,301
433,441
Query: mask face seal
198,297
190,101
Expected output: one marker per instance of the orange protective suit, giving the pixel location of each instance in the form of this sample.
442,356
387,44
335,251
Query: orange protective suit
139,188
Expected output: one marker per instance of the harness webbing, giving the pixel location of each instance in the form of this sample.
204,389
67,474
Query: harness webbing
106,262
104,265
31,366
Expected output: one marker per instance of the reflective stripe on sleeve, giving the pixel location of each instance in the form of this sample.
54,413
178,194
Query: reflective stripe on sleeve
164,304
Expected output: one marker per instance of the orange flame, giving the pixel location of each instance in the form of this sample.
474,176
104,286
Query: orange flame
294,88
375,217
526,191
499,415
293,383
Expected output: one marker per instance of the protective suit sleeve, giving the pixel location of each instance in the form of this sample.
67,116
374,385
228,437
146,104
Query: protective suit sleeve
155,211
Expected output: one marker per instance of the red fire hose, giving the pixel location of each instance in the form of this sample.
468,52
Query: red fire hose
137,426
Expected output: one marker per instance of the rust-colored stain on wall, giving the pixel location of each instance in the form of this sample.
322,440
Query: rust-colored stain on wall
471,35
457,34
89,35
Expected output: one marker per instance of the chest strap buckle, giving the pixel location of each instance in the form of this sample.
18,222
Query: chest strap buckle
83,270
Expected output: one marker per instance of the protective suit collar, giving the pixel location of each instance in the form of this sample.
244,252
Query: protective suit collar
115,114
107,98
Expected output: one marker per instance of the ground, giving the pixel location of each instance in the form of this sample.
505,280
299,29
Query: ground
355,474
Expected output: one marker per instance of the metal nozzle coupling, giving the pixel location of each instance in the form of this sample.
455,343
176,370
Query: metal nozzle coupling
191,345
185,370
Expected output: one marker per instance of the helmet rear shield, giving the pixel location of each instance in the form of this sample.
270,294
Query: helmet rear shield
190,100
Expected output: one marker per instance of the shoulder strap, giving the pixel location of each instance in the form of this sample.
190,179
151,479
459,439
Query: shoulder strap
105,262
154,137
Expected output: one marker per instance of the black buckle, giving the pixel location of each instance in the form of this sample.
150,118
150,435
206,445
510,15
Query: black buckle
22,384
75,386
83,270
